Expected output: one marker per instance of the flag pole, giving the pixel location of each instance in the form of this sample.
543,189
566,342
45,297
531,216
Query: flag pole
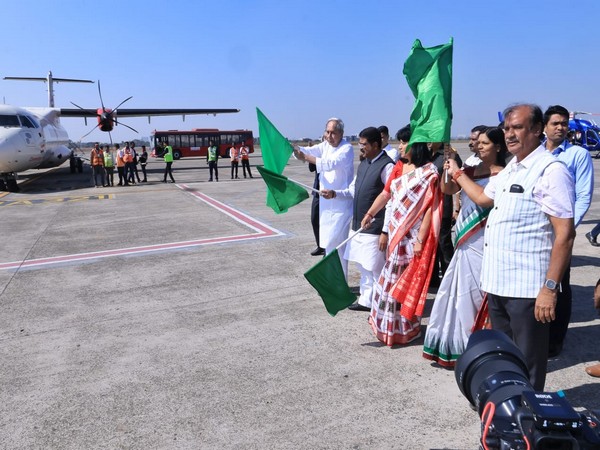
349,238
305,186
352,236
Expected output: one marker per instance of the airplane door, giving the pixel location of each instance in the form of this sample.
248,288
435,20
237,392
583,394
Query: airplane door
28,138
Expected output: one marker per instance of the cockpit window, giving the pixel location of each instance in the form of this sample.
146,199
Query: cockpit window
26,122
7,120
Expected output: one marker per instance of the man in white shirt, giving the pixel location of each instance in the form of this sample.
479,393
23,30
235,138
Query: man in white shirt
385,144
334,159
528,238
474,160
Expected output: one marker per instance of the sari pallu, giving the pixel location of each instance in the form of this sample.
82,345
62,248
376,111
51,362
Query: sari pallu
402,287
459,309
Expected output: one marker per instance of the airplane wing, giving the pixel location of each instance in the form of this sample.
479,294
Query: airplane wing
128,112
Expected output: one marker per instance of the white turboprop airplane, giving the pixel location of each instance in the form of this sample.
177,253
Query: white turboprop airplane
33,138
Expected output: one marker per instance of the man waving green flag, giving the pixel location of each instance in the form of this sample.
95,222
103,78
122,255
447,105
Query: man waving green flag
428,72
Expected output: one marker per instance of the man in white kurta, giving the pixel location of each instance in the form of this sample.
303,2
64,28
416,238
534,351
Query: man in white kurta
334,158
367,248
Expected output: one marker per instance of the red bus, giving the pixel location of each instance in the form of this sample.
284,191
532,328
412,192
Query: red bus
195,142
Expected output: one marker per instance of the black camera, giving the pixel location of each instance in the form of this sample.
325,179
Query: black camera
492,375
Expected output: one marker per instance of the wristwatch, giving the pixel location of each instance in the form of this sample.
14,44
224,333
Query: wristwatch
551,284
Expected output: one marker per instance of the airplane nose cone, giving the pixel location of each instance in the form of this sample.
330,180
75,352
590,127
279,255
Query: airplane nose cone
11,159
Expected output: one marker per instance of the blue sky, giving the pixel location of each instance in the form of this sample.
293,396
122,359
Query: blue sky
300,62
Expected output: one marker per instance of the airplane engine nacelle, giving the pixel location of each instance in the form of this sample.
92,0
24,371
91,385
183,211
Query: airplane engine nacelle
106,119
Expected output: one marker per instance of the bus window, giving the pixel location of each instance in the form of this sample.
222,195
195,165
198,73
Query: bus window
185,141
173,140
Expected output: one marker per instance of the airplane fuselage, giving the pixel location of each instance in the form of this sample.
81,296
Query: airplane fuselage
31,138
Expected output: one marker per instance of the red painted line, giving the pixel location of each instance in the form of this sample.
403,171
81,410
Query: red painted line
261,229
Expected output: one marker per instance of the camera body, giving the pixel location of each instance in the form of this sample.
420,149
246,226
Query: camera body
492,375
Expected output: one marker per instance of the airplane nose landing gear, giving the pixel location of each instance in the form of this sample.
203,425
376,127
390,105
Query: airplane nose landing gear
75,163
8,182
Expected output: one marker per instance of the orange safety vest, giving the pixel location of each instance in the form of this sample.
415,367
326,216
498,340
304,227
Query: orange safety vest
128,157
120,162
244,152
97,158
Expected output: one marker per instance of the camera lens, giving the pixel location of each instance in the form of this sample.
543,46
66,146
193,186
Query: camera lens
492,369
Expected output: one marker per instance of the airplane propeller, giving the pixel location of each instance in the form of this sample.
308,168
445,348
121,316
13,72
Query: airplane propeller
107,117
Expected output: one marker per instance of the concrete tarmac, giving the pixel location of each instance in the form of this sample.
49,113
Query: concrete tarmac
176,316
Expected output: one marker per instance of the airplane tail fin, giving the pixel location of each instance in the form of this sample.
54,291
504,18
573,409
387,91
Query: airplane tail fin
50,80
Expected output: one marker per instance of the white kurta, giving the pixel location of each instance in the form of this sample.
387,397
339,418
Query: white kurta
335,166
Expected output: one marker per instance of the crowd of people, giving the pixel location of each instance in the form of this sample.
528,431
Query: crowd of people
512,208
103,161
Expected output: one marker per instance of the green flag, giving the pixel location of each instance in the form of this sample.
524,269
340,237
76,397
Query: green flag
285,193
428,72
327,277
275,148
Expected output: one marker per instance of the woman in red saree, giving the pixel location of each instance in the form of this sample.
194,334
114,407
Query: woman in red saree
401,291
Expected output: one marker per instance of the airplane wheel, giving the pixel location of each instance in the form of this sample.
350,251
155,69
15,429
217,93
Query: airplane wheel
12,186
2,185
79,165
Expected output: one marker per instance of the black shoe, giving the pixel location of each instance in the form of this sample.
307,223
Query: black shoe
318,251
592,239
358,307
554,350
210,179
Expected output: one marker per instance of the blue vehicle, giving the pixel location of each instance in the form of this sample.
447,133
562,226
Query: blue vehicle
584,133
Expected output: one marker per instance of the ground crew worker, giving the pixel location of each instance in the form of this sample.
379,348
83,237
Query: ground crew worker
212,155
168,157
143,161
244,154
128,157
97,163
120,166
109,166
234,154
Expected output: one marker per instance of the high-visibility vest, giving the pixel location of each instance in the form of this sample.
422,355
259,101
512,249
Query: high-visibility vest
128,156
244,152
120,162
212,153
108,160
168,154
97,158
